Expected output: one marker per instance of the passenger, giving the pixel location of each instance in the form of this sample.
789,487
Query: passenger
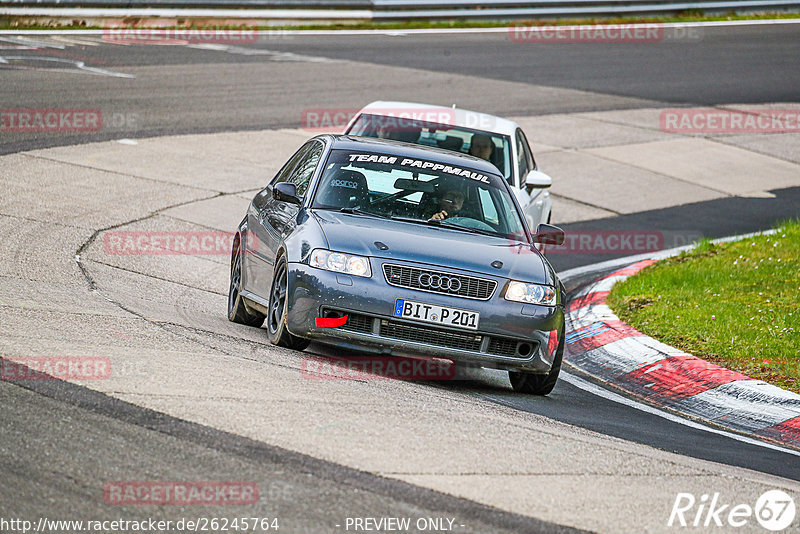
481,146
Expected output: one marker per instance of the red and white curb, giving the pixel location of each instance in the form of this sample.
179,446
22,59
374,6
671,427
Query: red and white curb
604,347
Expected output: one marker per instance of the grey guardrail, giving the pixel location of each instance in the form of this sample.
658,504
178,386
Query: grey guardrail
424,9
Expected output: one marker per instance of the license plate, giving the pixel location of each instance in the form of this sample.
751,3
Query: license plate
428,313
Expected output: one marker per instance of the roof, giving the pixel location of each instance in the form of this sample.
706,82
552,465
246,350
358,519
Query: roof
452,116
409,150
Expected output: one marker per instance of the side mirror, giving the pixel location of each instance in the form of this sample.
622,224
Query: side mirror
537,180
286,192
547,234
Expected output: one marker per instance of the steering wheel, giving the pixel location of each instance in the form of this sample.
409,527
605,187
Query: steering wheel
469,222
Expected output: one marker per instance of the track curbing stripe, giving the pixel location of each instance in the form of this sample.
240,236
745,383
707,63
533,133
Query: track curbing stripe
603,346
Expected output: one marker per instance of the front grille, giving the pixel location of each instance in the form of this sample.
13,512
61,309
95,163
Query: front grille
356,322
430,336
467,286
502,346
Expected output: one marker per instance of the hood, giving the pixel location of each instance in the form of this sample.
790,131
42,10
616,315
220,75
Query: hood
441,247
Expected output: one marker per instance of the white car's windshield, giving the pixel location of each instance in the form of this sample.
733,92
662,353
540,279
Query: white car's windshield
418,190
487,145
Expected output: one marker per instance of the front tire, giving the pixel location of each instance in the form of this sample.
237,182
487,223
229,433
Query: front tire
538,384
237,311
276,318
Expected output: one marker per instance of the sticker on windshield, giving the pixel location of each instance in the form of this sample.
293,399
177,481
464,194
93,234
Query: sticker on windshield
344,183
421,164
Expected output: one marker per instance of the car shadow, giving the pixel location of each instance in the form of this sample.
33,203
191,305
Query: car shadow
460,377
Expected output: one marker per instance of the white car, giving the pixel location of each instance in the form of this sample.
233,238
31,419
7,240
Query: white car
453,129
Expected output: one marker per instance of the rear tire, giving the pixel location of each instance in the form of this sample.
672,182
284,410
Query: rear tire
237,311
276,318
538,384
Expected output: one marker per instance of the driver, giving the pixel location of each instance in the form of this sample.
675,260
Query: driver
481,146
449,201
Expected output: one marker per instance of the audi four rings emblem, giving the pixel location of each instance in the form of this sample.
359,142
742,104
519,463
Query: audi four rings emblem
434,281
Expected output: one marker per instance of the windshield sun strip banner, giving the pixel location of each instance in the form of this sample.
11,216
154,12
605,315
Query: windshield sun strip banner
421,164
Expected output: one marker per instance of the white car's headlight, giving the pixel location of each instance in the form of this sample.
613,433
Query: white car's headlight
340,262
531,293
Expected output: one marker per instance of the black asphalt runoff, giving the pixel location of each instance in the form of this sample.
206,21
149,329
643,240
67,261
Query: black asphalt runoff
569,404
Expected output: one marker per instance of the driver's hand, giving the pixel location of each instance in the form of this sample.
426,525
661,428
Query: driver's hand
442,215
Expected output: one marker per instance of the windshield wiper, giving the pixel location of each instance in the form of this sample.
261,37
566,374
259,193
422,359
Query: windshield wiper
408,219
445,224
356,211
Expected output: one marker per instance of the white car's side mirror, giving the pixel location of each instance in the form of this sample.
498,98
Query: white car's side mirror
537,180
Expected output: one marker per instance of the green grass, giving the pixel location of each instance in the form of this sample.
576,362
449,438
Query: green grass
735,304
32,23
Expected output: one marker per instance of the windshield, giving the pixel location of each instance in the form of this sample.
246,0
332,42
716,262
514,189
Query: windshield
418,190
490,146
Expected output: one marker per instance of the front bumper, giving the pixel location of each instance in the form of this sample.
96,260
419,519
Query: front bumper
509,336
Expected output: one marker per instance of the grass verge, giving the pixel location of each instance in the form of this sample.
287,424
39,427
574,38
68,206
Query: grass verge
735,304
34,23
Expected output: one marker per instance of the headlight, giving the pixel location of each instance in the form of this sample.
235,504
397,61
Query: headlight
340,262
531,293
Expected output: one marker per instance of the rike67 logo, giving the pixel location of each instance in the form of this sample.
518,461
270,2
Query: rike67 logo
774,510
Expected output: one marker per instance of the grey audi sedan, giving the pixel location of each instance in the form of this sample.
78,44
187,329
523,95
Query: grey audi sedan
387,247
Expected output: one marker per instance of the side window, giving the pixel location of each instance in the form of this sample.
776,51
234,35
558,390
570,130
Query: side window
305,167
527,147
524,163
488,207
286,171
